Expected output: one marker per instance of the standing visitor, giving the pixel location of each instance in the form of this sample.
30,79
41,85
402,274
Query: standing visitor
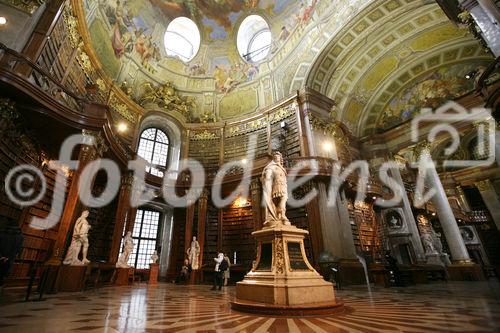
218,272
226,272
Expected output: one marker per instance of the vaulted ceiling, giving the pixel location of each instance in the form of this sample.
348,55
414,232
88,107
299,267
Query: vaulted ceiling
391,51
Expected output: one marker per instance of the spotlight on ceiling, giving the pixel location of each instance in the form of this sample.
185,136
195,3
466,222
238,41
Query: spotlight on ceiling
433,214
327,146
122,127
3,21
244,161
471,75
374,198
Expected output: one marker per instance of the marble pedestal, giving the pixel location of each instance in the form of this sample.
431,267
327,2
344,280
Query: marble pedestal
282,281
153,273
123,276
72,278
438,259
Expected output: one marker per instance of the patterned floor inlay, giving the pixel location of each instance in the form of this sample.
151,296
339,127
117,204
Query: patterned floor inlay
444,307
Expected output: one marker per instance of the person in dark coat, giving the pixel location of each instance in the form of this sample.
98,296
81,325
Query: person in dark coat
11,243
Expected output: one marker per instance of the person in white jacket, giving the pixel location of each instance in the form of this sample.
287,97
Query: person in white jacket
218,273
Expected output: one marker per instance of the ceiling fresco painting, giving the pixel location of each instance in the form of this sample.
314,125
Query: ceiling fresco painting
431,90
349,50
136,27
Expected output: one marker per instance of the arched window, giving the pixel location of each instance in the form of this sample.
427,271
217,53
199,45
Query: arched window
153,147
254,39
182,39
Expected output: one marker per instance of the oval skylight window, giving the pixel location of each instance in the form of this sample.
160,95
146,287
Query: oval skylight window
254,39
182,39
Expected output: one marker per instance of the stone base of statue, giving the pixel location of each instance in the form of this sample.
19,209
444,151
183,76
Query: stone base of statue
124,276
438,259
282,281
153,273
465,271
72,278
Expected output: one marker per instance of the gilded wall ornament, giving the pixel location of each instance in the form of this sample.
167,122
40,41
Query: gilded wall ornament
279,256
205,135
484,185
121,108
166,96
329,128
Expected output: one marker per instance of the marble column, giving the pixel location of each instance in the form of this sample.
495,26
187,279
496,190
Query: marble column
456,244
348,247
490,199
410,219
202,218
485,14
335,226
330,223
166,242
121,216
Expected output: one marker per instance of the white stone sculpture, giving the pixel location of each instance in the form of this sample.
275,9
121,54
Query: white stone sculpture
428,243
194,254
128,247
154,257
275,192
79,242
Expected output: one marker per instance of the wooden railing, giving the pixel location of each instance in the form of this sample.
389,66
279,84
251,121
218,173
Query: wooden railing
18,64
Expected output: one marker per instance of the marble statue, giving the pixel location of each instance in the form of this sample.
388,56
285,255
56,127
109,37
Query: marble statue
128,247
79,241
194,254
428,243
154,257
437,241
275,192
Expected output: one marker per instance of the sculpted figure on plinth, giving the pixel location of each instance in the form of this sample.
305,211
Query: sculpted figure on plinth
194,254
128,247
79,242
275,192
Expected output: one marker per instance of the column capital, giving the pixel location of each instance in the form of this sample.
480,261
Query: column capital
422,147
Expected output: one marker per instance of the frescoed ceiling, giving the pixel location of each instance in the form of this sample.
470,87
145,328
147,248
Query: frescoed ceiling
367,55
127,39
390,64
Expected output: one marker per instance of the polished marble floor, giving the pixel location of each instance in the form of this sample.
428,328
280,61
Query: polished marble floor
443,307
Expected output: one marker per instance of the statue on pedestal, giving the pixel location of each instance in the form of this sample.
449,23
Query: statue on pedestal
194,254
275,192
428,243
80,241
154,257
128,247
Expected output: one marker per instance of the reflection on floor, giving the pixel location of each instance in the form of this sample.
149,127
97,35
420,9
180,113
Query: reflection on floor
452,307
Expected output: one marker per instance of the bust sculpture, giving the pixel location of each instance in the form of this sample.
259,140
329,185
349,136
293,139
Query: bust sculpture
275,192
79,242
194,254
154,257
128,247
